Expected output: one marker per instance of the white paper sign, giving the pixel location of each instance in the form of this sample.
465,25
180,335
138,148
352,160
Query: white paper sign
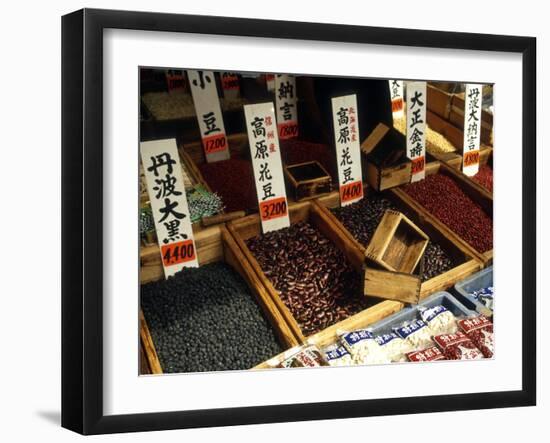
270,82
396,95
267,165
230,85
472,129
164,178
416,129
209,115
348,151
285,103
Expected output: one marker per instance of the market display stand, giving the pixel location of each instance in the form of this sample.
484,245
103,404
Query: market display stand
213,244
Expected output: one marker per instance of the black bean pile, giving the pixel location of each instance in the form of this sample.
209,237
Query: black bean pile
361,220
205,319
311,274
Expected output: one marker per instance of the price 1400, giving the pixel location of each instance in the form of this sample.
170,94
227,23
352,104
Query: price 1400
351,191
180,252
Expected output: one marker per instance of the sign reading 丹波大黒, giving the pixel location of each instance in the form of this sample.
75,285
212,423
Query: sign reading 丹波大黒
267,165
209,115
285,102
270,82
230,85
416,129
396,95
175,80
164,179
472,129
348,151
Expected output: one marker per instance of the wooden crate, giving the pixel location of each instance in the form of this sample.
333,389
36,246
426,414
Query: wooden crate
248,227
439,101
307,180
481,196
214,244
470,263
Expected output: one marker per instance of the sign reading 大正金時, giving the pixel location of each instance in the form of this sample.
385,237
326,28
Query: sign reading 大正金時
416,129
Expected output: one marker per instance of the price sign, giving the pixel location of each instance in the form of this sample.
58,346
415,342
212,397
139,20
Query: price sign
267,165
230,85
209,115
416,129
472,129
396,95
285,102
270,82
348,151
164,178
175,80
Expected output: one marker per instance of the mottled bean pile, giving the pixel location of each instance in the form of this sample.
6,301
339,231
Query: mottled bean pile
442,197
361,220
485,177
311,274
205,319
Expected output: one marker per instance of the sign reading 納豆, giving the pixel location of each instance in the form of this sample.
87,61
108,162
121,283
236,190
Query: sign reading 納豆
396,95
416,129
267,165
230,85
472,129
164,178
209,115
285,102
348,151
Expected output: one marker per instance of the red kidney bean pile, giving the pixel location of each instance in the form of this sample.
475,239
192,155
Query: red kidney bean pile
311,274
361,220
298,151
233,181
442,197
485,177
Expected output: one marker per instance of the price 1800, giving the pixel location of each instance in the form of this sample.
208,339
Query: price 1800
180,252
274,208
288,130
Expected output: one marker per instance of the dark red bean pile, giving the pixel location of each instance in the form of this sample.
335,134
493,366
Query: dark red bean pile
311,274
233,181
361,220
485,177
298,151
206,319
442,197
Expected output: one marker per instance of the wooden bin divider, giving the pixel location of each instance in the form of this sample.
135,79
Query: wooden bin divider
215,244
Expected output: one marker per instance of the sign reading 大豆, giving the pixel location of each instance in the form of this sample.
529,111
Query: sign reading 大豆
267,165
209,115
230,85
416,129
164,178
396,95
348,151
472,129
285,102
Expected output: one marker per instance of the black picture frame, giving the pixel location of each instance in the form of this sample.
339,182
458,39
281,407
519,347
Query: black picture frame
82,215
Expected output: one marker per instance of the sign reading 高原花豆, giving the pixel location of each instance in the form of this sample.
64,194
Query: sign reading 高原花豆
267,165
416,129
209,115
396,95
348,151
285,102
164,179
230,85
472,128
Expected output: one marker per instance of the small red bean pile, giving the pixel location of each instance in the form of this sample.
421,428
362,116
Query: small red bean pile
233,181
312,276
298,151
442,197
485,177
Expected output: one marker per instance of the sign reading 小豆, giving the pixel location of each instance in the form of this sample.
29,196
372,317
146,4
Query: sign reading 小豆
209,115
230,85
416,129
472,129
348,151
396,95
175,80
285,102
267,165
270,82
164,179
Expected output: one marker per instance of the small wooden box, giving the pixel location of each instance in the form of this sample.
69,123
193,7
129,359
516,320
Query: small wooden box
387,164
307,180
439,101
390,285
397,244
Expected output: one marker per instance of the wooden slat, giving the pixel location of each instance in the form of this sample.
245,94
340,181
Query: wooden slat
148,345
392,285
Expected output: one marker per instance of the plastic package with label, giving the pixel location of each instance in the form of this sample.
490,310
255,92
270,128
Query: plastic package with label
439,319
363,347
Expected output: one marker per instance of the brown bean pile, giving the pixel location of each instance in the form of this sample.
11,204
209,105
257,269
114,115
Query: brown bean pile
442,197
312,276
361,220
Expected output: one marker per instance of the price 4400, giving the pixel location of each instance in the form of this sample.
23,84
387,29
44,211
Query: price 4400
180,252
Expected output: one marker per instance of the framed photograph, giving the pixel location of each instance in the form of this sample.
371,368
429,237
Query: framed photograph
270,221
